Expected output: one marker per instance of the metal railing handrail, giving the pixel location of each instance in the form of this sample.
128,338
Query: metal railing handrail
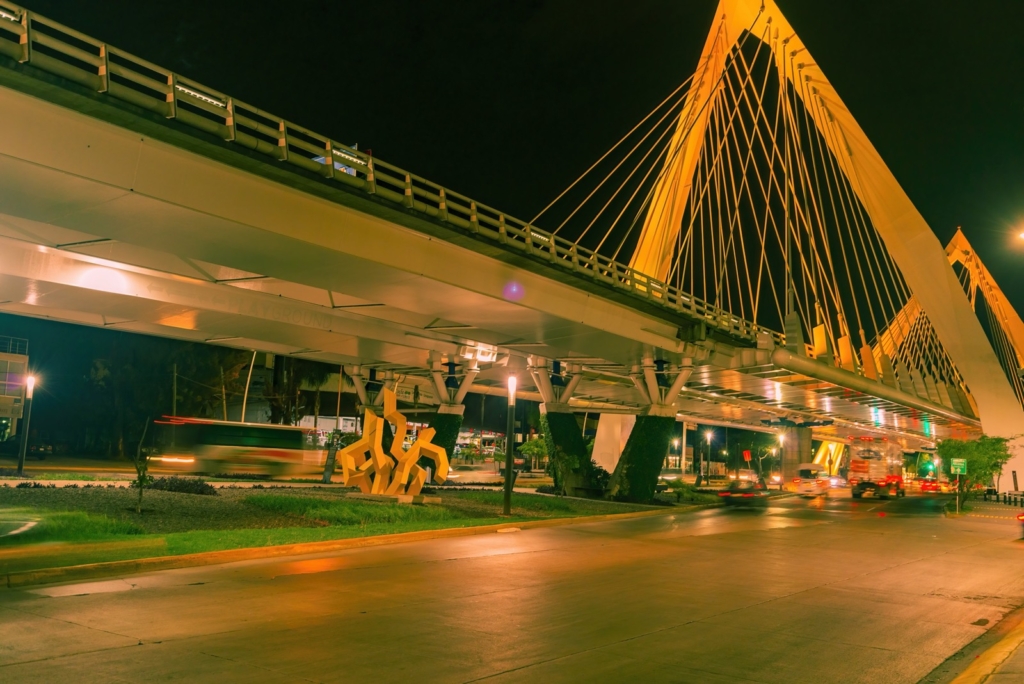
13,345
48,45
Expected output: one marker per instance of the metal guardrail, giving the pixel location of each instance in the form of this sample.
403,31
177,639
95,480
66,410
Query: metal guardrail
13,345
58,49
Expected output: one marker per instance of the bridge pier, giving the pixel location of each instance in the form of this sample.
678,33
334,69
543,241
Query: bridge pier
636,473
796,449
613,431
451,392
573,471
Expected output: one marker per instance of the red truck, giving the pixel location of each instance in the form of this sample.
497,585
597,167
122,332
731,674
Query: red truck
876,468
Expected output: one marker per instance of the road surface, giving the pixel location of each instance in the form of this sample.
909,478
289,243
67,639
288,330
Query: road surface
841,591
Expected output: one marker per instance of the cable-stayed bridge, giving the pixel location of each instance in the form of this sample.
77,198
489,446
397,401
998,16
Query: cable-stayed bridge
742,257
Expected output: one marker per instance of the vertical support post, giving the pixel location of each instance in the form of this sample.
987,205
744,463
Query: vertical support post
26,37
248,381
172,96
30,383
442,206
104,69
371,181
510,428
682,452
223,395
332,455
329,158
229,120
341,385
407,197
282,141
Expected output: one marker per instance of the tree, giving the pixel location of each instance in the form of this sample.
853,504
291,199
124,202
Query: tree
534,449
142,477
287,406
133,383
984,458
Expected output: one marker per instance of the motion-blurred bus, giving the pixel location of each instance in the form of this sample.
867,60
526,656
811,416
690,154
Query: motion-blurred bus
218,446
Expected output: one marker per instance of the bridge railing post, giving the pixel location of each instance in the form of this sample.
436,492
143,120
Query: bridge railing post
104,70
172,96
26,37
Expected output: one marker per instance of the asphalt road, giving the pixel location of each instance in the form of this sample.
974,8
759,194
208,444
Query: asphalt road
840,591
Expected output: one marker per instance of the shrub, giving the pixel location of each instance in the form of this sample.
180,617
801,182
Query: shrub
688,493
184,485
34,485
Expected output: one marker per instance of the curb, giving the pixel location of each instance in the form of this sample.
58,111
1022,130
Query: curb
989,662
130,567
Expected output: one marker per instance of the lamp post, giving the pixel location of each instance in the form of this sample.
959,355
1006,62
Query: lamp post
708,435
782,460
510,428
30,385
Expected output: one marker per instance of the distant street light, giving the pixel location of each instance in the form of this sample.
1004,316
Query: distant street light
510,444
30,385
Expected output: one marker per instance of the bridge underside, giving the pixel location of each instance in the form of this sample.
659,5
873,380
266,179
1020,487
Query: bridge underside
103,225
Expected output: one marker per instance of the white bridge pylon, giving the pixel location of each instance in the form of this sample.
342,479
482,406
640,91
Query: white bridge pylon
722,101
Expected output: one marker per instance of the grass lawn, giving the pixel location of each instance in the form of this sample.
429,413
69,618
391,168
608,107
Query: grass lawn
94,524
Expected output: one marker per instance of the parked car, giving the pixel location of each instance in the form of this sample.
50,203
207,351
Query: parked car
39,451
744,493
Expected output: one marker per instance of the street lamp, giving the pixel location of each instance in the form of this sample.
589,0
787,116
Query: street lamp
708,435
30,385
510,428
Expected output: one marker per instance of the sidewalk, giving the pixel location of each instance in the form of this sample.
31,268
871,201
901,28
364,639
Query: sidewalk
1001,664
992,511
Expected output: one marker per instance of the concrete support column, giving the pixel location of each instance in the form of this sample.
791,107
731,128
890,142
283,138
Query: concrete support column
573,472
636,474
796,449
447,422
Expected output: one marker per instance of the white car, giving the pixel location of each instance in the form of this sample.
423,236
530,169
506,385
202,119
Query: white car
811,481
745,475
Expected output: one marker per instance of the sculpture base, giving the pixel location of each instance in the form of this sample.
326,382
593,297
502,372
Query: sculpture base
396,498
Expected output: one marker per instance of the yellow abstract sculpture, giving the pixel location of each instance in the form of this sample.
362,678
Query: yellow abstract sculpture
365,464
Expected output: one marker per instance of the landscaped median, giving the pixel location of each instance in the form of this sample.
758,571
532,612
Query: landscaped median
85,532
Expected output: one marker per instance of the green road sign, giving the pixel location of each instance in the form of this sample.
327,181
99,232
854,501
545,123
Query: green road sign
958,466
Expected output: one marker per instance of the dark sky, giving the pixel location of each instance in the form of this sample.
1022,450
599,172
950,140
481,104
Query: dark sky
508,101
